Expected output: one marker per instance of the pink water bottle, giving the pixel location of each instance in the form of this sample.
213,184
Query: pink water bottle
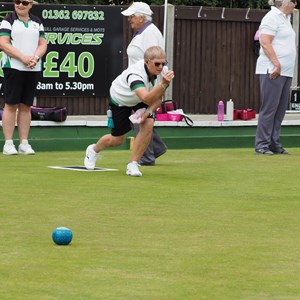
221,111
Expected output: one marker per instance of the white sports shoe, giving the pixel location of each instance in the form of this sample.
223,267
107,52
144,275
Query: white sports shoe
9,149
133,169
90,157
25,148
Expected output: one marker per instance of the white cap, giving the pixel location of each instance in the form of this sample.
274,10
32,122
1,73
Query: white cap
137,7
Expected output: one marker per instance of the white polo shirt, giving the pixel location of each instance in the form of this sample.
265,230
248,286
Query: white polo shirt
122,88
24,37
277,24
148,37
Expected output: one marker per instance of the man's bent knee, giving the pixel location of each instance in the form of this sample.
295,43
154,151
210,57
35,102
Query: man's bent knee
118,140
147,125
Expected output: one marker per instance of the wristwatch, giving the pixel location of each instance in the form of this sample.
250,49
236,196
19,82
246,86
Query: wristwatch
37,58
150,112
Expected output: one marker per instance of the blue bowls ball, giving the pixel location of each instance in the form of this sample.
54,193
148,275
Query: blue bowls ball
62,236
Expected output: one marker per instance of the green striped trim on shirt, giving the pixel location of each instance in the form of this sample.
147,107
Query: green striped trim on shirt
113,101
136,86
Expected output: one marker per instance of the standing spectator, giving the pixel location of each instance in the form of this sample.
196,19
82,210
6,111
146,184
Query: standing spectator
22,39
146,34
275,66
131,91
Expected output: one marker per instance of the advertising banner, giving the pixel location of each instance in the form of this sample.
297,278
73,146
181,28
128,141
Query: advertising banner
85,46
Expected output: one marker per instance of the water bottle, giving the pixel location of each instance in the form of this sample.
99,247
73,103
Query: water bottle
220,111
229,110
110,122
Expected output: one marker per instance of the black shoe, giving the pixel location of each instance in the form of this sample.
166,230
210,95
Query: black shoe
280,151
265,151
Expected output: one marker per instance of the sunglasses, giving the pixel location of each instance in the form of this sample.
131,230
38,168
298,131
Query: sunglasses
158,64
24,3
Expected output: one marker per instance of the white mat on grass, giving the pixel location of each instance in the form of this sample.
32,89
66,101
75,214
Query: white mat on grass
80,168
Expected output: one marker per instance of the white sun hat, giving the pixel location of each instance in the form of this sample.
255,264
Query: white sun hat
137,7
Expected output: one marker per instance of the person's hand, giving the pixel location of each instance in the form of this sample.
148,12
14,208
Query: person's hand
167,77
275,73
32,62
135,118
29,61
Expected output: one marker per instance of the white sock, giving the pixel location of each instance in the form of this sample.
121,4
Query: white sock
24,142
9,142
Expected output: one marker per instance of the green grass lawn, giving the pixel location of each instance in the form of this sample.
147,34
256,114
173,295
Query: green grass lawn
202,224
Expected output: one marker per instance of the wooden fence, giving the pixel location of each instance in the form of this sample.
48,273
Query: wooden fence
213,58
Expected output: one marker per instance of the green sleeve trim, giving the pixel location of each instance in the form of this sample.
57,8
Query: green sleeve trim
137,86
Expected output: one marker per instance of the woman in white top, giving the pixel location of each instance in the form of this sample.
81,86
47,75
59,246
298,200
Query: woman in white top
23,42
146,35
275,66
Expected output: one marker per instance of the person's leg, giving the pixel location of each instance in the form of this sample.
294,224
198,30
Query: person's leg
270,97
9,120
142,139
140,145
23,121
280,113
159,147
28,82
155,149
93,151
12,94
148,157
117,136
108,141
8,126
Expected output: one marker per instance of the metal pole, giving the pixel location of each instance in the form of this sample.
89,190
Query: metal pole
165,23
296,28
295,87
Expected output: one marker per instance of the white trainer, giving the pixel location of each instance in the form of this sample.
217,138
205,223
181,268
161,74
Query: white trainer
133,169
90,157
25,148
9,149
